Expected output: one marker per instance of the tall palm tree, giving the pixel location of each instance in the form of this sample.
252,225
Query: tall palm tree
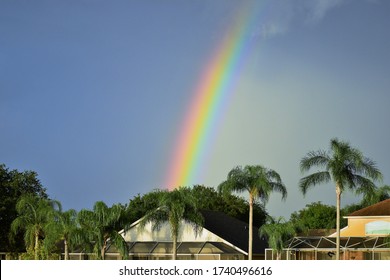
101,226
65,228
259,182
33,213
277,232
175,207
346,167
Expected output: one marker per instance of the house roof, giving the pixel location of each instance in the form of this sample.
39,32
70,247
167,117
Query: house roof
233,231
230,229
318,232
379,209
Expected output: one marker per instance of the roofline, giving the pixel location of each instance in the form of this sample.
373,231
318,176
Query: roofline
335,233
224,240
131,225
228,243
367,217
376,209
203,227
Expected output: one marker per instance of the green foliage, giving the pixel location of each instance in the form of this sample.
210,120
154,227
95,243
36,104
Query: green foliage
99,229
209,199
41,254
14,184
62,227
33,216
346,167
206,198
173,208
372,196
259,182
315,216
277,232
140,205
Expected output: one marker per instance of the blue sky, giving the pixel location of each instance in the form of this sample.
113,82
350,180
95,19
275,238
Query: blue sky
92,92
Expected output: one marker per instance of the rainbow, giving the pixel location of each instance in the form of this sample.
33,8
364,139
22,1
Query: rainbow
210,99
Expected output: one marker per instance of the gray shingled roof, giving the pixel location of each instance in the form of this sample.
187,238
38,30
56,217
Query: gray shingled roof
233,231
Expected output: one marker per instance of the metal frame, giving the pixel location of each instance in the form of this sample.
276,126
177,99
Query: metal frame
320,244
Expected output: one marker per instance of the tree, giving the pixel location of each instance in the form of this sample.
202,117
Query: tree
259,182
174,207
209,199
64,227
14,184
206,198
139,206
33,213
346,167
100,227
277,232
372,196
315,216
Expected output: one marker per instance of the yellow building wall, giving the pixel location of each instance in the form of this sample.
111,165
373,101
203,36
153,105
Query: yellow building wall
357,226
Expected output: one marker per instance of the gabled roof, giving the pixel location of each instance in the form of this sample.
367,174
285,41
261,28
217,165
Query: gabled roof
379,209
217,226
233,230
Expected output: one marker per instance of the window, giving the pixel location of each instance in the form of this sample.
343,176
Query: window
377,228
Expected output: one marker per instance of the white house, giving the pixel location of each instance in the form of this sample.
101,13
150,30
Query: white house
222,238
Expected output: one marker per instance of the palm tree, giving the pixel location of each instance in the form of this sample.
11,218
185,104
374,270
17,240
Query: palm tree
33,213
346,167
259,182
277,232
373,196
101,226
175,207
65,228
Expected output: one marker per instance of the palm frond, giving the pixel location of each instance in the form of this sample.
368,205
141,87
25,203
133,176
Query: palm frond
277,232
314,159
314,179
119,243
281,188
369,168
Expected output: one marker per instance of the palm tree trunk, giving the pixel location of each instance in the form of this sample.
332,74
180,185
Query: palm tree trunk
103,250
174,247
338,196
66,257
250,240
36,246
